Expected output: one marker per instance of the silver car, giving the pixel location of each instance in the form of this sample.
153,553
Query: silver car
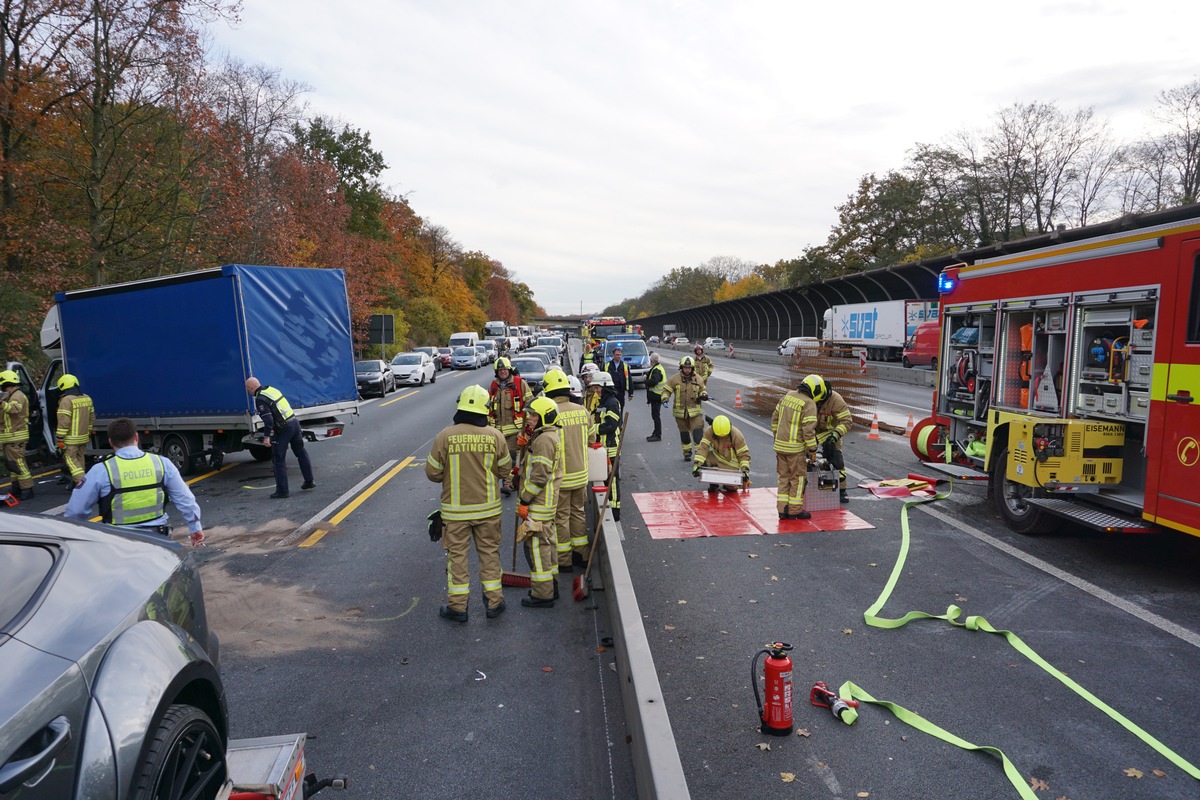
464,358
416,368
111,687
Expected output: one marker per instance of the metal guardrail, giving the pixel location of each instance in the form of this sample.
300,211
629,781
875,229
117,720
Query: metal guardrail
657,770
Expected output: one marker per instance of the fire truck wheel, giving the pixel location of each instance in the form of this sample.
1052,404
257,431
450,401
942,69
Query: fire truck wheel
1010,500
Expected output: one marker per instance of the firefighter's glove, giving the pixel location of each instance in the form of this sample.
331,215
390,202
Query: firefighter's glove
523,511
435,526
522,439
695,470
704,395
834,436
745,473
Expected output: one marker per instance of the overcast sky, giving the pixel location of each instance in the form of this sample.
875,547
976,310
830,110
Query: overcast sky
594,146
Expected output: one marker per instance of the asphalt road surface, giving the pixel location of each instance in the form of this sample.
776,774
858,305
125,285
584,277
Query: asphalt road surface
326,605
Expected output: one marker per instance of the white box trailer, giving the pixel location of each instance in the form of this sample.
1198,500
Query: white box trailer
881,328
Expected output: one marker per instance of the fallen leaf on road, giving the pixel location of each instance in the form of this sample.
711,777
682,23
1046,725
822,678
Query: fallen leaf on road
862,794
1039,785
872,564
847,631
763,746
1158,773
683,602
752,555
787,777
601,649
774,578
803,732
668,627
1133,772
547,669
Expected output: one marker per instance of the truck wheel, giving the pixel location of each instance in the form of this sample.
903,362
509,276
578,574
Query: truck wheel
1010,502
185,758
175,449
258,452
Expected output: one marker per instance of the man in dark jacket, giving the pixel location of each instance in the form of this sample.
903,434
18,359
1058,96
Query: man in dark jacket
622,383
281,429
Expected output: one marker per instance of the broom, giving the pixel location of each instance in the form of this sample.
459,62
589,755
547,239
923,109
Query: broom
582,586
514,578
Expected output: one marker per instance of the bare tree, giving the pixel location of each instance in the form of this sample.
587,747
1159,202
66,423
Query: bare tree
1179,110
1095,176
259,107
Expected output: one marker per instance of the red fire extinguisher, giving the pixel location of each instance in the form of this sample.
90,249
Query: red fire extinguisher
776,715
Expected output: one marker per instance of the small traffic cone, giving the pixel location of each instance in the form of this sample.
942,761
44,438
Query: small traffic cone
908,429
874,436
737,399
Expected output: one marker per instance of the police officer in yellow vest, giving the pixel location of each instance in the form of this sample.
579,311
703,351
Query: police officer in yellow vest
76,416
14,432
132,488
467,458
280,429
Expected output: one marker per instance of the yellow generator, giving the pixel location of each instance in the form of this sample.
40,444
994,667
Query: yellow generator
1065,454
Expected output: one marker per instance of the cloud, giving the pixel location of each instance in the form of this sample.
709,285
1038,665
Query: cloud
593,147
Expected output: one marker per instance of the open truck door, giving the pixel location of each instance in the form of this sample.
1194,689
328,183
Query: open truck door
1175,388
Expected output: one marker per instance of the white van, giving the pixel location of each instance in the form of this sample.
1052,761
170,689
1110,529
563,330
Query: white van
807,345
464,339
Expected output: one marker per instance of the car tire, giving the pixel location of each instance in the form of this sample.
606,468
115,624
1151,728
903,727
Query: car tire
422,383
185,738
905,362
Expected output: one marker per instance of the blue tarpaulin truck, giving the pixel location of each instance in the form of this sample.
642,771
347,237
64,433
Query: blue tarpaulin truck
173,355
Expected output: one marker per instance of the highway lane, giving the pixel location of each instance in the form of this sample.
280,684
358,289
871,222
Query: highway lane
326,607
1118,614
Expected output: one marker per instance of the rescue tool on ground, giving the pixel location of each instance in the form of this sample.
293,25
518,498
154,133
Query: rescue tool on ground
824,697
776,713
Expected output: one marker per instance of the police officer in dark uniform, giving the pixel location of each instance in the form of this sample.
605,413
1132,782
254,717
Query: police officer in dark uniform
281,429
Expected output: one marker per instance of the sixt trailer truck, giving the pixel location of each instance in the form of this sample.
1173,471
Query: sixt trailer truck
173,355
882,328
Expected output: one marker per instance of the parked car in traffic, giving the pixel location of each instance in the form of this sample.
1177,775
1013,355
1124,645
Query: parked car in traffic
445,354
432,352
111,676
374,376
541,355
465,358
806,345
680,341
550,350
416,368
532,370
491,351
714,343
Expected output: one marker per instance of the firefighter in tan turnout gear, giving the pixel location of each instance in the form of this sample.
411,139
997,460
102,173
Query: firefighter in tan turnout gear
794,426
467,458
14,433
509,395
539,500
685,390
76,416
724,447
578,431
833,423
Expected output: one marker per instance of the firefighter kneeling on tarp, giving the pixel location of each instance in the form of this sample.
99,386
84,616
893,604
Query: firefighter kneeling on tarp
539,502
723,447
833,423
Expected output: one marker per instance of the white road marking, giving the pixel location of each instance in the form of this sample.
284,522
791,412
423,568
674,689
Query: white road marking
342,499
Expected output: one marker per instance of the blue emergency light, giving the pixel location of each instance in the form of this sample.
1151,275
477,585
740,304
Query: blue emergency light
945,283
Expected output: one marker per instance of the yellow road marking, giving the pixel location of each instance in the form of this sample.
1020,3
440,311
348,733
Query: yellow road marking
403,613
199,478
356,502
394,399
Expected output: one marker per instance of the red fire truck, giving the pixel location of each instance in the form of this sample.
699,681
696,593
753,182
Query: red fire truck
1069,373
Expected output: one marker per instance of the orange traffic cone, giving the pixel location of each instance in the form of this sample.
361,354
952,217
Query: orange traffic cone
874,436
908,429
737,399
